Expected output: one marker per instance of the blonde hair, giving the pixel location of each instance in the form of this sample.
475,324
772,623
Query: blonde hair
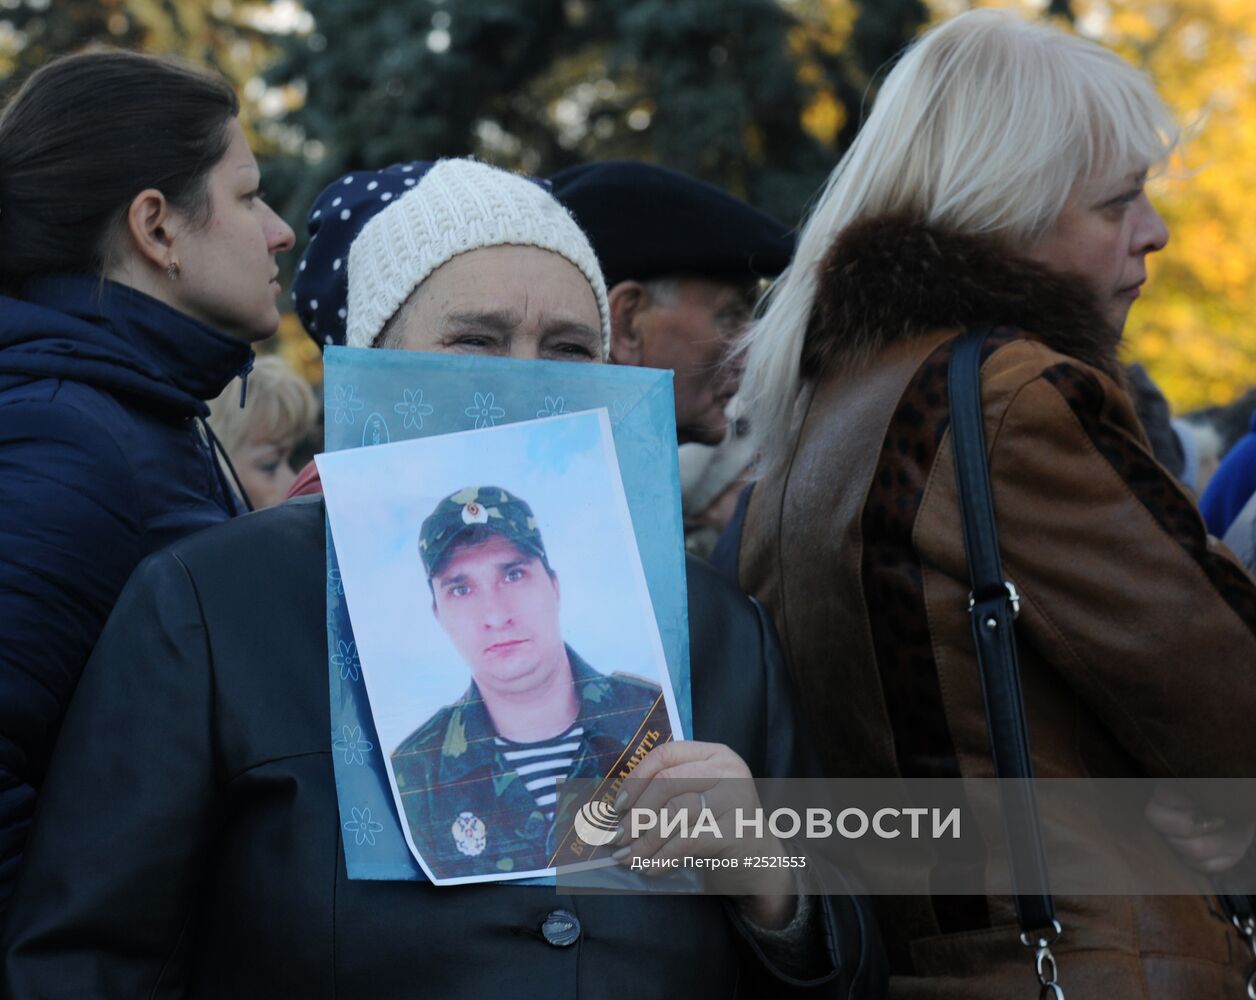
983,127
279,406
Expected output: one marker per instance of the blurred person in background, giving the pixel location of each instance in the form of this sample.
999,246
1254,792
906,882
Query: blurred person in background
137,265
1215,431
1156,418
1000,179
712,483
279,411
1185,448
1232,485
1241,535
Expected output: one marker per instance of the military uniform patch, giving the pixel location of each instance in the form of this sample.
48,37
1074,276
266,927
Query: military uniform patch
470,836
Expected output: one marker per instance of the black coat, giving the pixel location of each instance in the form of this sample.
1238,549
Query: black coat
187,845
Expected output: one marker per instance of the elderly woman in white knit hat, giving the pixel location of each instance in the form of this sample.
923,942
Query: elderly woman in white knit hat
397,255
189,837
456,257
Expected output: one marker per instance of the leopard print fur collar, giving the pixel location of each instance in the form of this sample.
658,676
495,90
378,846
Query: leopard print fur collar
888,279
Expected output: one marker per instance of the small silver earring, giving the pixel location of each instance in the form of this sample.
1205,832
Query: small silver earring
172,270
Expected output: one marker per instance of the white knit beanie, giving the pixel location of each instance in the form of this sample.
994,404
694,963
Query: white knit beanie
457,206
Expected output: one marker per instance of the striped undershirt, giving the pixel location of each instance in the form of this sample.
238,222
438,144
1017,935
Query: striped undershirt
543,765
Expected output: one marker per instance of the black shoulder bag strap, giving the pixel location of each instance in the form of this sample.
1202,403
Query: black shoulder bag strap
993,605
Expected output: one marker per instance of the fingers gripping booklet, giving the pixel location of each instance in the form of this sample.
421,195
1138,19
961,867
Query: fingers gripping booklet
506,606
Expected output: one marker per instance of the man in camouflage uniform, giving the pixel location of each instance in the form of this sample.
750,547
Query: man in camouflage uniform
535,714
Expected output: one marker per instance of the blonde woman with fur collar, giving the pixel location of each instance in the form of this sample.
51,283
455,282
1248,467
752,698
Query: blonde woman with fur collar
1001,178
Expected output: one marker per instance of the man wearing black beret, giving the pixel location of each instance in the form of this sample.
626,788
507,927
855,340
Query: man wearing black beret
683,261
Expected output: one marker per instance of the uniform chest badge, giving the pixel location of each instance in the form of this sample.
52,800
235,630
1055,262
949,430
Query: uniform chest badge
470,836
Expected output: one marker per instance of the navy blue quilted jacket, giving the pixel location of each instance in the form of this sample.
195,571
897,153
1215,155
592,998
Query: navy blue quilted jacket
103,459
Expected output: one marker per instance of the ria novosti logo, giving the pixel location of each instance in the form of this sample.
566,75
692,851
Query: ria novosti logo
597,823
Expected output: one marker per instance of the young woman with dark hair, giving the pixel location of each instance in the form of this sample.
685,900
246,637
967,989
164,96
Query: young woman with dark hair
137,264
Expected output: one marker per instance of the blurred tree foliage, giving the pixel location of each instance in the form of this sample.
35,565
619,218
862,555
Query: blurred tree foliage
743,93
230,35
724,89
1195,328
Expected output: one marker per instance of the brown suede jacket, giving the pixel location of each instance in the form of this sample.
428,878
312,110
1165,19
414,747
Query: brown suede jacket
1137,636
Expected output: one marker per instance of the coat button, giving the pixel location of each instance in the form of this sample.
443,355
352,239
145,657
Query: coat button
561,929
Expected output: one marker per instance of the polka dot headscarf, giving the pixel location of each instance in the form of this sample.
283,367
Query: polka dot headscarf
320,290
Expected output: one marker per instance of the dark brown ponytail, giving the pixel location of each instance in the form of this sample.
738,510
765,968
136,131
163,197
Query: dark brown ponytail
88,132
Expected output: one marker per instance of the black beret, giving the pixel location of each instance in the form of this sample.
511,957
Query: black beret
649,222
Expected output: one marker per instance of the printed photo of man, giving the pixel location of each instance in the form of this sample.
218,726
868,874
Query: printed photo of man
479,780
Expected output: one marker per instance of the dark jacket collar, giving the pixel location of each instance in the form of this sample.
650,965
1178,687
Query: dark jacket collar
889,279
109,335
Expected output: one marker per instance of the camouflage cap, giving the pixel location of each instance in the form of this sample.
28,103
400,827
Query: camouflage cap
478,511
